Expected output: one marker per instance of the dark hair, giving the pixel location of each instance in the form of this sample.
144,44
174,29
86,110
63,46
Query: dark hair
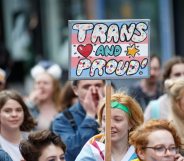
76,82
67,96
28,122
157,57
31,149
169,64
56,93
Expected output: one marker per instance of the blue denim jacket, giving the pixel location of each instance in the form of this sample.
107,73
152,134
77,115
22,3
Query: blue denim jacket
74,140
4,156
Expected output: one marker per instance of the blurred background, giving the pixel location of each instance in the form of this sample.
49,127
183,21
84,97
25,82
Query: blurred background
33,30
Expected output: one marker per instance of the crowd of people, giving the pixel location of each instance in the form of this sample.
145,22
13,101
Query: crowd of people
67,122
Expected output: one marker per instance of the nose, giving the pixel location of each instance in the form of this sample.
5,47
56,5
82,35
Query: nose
93,89
112,123
60,159
40,85
14,113
168,152
152,72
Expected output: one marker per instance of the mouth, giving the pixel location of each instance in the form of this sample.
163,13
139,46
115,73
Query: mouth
96,97
168,159
113,132
14,121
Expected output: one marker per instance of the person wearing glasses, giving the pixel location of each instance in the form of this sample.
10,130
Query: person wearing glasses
156,140
126,115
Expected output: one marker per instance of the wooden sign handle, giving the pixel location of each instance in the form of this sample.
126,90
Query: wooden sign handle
108,122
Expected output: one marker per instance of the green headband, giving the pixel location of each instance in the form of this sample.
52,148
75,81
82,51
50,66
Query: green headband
115,104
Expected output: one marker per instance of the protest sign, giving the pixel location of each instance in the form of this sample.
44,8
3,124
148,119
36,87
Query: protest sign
109,49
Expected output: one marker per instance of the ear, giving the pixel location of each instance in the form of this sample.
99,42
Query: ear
141,154
75,90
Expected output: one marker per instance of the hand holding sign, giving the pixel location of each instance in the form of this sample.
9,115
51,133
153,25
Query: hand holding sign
108,49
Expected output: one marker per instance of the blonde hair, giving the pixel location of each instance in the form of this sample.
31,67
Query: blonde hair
136,117
175,89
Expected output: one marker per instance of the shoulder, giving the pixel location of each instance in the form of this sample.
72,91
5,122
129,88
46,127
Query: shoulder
71,109
62,117
135,87
86,153
131,154
136,91
137,159
93,150
99,137
2,151
4,156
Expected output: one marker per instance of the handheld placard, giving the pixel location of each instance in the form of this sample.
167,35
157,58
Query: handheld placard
107,50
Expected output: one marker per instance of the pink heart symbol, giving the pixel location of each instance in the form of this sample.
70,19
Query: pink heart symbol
85,50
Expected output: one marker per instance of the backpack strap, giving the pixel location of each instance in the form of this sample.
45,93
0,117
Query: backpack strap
155,111
70,118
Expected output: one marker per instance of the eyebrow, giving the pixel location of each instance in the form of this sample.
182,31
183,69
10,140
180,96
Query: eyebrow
50,157
55,156
117,116
10,107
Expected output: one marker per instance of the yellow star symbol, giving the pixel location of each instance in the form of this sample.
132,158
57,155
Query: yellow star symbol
132,50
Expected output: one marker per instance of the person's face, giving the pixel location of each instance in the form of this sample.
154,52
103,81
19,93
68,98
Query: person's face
11,115
44,83
158,139
119,125
177,71
154,71
94,86
52,153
